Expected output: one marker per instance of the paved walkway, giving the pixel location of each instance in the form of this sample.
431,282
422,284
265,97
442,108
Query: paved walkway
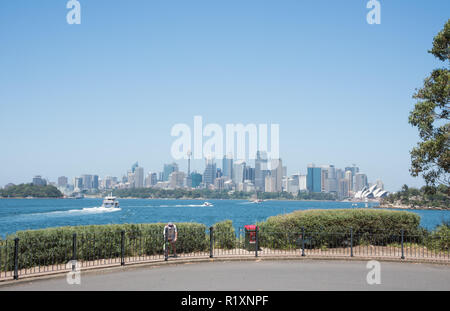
253,275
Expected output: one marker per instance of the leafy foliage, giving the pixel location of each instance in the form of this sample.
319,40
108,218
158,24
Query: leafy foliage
30,190
424,197
431,157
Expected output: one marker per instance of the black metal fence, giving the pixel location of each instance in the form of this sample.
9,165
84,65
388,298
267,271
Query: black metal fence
22,257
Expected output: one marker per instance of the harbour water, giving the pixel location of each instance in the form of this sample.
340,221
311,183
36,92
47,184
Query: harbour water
23,214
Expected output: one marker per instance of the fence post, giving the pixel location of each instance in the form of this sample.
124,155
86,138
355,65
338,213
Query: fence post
211,242
256,242
303,241
122,248
166,249
403,253
351,242
16,258
74,251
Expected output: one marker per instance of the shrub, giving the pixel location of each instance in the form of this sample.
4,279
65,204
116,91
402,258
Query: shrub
332,227
224,235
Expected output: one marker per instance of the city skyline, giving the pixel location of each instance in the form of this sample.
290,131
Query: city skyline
88,98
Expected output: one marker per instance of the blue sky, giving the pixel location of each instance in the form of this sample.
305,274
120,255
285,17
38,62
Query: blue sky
96,97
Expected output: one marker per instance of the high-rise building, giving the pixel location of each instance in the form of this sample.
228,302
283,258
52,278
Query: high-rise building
87,181
314,179
270,183
249,174
62,181
139,177
196,179
343,191
210,172
238,172
176,179
261,170
39,181
349,178
78,183
360,181
95,182
277,173
168,169
151,179
227,167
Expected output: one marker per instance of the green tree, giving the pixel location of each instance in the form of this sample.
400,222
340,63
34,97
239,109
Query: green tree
431,157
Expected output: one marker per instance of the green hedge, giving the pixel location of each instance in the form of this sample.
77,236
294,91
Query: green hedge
54,245
224,235
331,228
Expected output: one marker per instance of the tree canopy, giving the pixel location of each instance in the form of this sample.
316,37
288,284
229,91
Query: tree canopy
431,157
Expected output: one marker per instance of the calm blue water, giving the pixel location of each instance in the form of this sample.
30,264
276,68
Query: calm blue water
16,214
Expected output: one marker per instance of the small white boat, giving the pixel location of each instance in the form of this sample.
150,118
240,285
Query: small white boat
110,202
207,204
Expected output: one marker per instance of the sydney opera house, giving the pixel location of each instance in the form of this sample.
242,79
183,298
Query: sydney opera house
373,192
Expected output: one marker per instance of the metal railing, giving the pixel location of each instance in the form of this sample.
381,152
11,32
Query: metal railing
22,257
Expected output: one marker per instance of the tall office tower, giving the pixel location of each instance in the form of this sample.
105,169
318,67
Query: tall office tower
62,181
87,181
324,178
130,179
277,172
380,184
343,191
151,180
302,182
139,177
249,174
219,183
349,178
219,173
95,182
329,180
355,170
270,183
39,181
196,179
284,171
360,181
210,172
176,179
314,179
78,184
134,166
292,184
238,172
339,174
261,170
168,169
227,167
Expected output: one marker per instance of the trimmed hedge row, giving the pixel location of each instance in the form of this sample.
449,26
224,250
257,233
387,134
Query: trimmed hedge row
54,245
331,228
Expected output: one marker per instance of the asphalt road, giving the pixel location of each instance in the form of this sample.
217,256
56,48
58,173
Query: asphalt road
259,275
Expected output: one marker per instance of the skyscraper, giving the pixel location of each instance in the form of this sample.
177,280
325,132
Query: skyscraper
62,181
139,177
360,181
168,169
261,170
277,173
210,172
227,167
314,179
238,172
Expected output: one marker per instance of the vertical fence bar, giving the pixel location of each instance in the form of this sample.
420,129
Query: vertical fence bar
122,248
211,242
74,251
351,242
303,241
16,258
166,249
403,251
256,242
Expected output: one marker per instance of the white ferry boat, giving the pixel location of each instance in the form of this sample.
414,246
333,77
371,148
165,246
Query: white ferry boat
110,202
207,204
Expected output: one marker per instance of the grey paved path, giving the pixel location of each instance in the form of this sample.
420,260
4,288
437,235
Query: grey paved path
259,275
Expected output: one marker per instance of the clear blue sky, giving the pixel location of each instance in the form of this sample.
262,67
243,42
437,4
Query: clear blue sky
94,98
